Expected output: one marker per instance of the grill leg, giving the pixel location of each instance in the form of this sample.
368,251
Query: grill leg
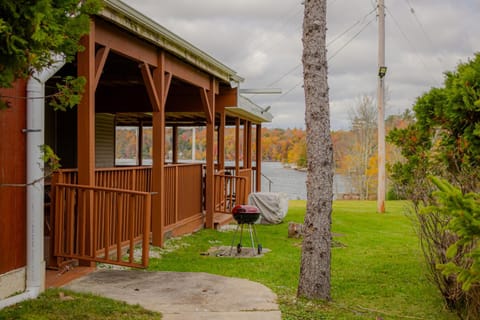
241,233
251,237
256,239
233,240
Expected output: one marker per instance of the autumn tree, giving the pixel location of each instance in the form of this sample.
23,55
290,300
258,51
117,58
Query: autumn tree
362,157
314,279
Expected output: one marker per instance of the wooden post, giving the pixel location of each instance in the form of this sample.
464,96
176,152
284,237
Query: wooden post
221,142
86,134
140,143
209,106
237,145
381,110
244,149
162,84
258,159
86,111
248,142
174,144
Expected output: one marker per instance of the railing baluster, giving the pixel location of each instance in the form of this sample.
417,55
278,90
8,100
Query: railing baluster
107,224
131,234
118,224
146,228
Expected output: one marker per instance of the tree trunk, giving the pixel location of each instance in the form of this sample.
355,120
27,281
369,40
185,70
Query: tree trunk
315,265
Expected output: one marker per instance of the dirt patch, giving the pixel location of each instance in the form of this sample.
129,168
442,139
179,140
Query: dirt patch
227,251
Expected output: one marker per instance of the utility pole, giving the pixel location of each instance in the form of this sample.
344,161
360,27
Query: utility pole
382,70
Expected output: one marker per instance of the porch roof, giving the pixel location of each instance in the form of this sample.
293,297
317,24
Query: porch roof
135,22
245,110
143,27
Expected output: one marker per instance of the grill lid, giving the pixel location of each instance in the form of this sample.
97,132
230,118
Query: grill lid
245,209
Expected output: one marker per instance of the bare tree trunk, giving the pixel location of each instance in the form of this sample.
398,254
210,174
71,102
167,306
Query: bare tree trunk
315,266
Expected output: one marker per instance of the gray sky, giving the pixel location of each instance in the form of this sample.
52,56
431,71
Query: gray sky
261,40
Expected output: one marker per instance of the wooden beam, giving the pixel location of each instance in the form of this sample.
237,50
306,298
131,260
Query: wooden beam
168,81
210,171
125,44
245,145
175,144
100,59
86,111
86,136
237,145
248,142
207,105
150,86
258,159
187,73
158,157
140,143
227,97
157,73
221,141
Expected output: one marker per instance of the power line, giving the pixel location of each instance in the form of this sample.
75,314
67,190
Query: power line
351,27
332,56
359,21
284,75
420,24
412,11
350,40
412,46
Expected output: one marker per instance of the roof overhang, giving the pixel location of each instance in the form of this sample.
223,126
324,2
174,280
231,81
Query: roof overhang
142,26
249,110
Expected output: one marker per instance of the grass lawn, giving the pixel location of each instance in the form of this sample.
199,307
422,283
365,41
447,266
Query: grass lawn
377,270
56,304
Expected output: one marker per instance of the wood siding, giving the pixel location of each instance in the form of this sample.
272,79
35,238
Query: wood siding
104,140
12,171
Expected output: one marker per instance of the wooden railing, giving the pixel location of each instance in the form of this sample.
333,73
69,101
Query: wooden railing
129,178
229,192
183,186
247,174
183,192
119,219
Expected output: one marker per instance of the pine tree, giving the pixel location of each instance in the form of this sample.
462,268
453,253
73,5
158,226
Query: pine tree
315,265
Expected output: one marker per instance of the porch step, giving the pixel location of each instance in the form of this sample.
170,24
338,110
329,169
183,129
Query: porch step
58,278
220,219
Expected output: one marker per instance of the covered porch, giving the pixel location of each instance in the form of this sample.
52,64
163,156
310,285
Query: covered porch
139,74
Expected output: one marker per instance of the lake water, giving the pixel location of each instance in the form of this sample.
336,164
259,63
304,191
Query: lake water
290,181
293,182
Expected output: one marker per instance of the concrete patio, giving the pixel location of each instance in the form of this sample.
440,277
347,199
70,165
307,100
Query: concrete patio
184,295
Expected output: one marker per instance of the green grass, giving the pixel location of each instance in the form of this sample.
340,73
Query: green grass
59,304
378,272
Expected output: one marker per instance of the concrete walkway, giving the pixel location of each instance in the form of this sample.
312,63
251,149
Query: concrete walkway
184,295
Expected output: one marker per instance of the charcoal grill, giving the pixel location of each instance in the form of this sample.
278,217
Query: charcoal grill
246,215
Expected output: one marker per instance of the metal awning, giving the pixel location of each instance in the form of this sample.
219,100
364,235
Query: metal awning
249,110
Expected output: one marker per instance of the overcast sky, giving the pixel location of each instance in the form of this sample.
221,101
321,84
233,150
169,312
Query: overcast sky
261,41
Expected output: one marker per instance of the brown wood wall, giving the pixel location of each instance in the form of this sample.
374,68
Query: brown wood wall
12,171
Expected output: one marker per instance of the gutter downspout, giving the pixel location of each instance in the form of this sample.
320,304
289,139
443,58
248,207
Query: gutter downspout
35,275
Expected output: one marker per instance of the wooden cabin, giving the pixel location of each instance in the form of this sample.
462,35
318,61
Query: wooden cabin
141,75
